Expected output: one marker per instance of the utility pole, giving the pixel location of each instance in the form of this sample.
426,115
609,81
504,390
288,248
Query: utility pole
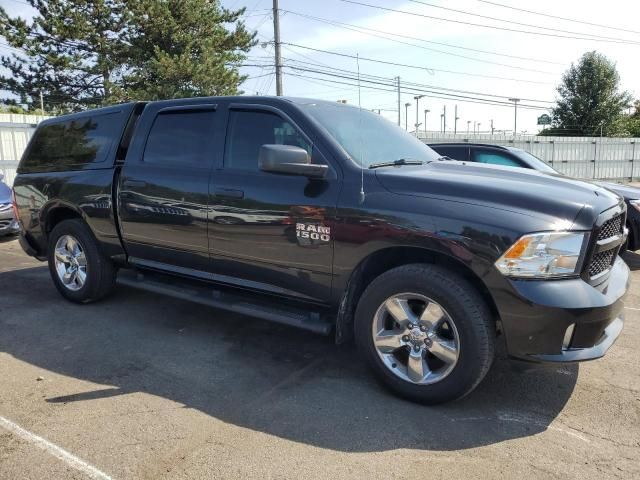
417,99
455,122
399,112
468,125
444,119
276,38
479,127
515,115
425,119
492,126
406,116
41,103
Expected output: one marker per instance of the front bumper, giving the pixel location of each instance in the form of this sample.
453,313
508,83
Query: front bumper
8,224
536,316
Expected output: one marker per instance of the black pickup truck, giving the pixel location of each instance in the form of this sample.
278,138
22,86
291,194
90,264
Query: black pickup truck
326,217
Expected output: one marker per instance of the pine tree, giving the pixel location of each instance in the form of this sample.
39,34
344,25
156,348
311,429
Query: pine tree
590,98
71,51
182,48
87,53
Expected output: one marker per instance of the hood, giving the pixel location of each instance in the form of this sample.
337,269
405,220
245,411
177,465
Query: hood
5,193
520,190
625,191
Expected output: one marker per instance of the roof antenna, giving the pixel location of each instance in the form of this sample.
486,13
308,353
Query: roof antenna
360,133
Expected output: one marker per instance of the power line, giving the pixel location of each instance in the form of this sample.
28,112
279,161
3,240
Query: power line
411,89
558,17
493,77
464,12
529,32
380,33
420,84
357,28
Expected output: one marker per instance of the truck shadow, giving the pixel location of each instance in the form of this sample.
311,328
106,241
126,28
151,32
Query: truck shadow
632,259
258,375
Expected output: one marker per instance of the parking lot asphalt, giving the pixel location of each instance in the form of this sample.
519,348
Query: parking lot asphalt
144,387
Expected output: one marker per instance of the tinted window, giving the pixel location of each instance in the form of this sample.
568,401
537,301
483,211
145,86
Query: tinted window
532,161
248,131
455,153
496,158
180,138
74,143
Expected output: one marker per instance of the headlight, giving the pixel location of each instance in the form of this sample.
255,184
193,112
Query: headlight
635,204
543,255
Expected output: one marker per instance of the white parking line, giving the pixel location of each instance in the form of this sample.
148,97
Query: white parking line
632,308
54,450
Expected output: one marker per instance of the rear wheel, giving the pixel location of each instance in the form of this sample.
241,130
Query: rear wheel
426,332
80,272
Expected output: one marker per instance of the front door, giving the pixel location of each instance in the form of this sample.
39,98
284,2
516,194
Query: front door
163,190
271,231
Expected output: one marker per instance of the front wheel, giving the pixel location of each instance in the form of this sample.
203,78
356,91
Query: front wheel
426,332
80,271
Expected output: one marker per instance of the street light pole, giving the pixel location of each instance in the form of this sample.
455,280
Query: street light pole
425,119
417,99
468,125
406,116
399,112
455,123
444,119
515,114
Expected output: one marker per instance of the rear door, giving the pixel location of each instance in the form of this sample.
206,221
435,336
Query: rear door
271,231
164,186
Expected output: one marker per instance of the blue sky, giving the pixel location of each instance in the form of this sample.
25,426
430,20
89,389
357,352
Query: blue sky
554,54
534,79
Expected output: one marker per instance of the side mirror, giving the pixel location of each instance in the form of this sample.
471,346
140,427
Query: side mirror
290,160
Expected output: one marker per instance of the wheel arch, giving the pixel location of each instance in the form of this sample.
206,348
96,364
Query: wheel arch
384,260
56,214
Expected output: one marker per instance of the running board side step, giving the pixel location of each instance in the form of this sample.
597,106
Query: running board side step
245,303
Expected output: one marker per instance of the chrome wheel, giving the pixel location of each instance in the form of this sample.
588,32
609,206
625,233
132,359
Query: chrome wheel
70,263
415,338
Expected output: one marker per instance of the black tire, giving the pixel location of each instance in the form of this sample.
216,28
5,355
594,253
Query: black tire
100,271
466,308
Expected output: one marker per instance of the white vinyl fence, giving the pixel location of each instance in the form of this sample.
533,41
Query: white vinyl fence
15,132
580,157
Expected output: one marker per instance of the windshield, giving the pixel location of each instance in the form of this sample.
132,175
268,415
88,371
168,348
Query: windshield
367,137
533,161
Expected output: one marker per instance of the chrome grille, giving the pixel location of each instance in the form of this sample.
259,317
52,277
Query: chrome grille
602,261
5,223
611,228
5,207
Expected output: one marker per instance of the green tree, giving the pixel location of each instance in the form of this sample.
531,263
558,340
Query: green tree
87,53
590,98
70,51
182,48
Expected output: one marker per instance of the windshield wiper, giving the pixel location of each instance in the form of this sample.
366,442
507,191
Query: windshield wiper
395,163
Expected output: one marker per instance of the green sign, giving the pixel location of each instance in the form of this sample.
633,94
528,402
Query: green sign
544,119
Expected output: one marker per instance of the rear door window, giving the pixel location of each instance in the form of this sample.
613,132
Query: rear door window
74,143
